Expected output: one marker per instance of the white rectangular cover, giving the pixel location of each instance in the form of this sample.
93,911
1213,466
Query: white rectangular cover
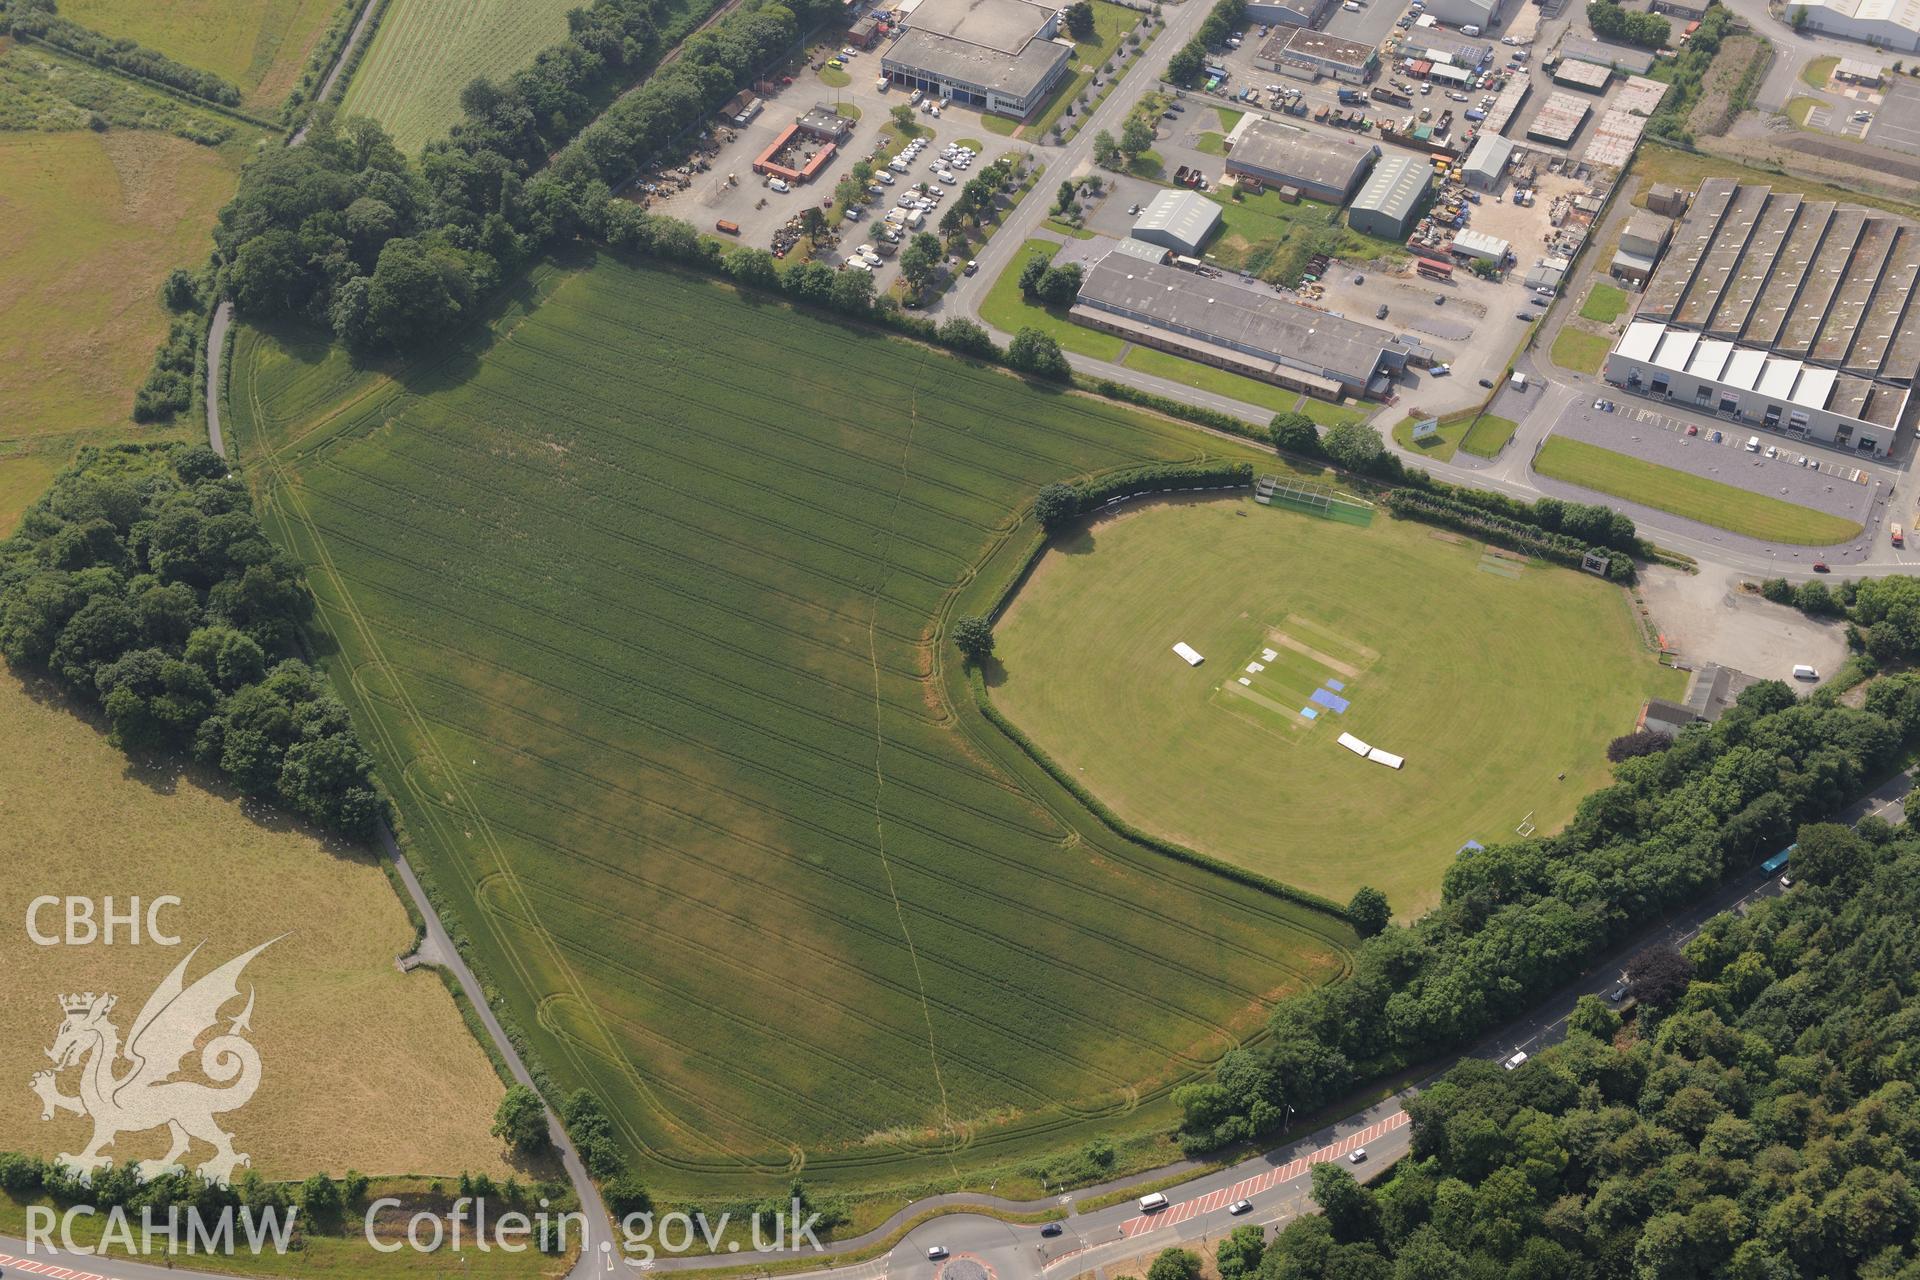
1354,744
1386,758
1188,652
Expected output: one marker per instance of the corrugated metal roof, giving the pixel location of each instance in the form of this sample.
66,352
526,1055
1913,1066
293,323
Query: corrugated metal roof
1395,186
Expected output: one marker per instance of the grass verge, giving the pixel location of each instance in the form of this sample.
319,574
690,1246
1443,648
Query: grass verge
1580,351
1604,304
1489,435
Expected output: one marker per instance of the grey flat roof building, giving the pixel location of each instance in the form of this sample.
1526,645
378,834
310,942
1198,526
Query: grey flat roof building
998,55
1325,166
1636,61
1389,203
1464,51
1233,326
1006,26
1178,220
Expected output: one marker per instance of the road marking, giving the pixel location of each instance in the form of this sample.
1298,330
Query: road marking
1245,1189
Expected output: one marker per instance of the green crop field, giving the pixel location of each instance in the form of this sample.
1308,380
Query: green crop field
259,45
640,601
1757,515
1492,677
427,50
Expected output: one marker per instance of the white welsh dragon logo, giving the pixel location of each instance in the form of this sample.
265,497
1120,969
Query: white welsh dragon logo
145,1095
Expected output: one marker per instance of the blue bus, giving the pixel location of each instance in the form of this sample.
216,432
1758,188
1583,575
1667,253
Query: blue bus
1778,861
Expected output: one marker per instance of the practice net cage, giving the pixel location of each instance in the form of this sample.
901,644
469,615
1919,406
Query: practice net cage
1313,498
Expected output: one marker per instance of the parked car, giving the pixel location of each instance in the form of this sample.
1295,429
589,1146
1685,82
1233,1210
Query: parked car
1716,435
1440,370
1693,429
1618,994
1487,383
1381,314
778,184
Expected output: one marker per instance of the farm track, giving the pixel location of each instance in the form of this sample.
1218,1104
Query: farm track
587,484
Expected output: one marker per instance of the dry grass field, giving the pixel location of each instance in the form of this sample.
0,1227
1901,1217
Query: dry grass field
259,45
362,1066
94,221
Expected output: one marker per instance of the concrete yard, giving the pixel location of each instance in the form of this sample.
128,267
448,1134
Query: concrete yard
1705,617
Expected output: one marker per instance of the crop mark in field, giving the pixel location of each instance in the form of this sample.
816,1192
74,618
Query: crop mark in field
280,492
879,771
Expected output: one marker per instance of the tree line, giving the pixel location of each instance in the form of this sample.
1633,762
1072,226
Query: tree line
40,20
346,232
1757,1119
1612,22
1518,919
1190,59
142,583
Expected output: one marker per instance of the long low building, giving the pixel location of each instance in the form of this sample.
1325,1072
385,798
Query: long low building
997,55
1322,165
1782,312
1220,322
1307,54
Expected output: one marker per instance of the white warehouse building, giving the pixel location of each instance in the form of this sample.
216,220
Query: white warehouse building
1886,24
1781,313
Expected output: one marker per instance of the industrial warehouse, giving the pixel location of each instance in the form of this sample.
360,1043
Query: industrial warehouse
1782,312
1181,221
1394,197
997,55
1246,330
1318,165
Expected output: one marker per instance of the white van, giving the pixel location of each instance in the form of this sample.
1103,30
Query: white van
1801,671
1153,1203
1469,30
